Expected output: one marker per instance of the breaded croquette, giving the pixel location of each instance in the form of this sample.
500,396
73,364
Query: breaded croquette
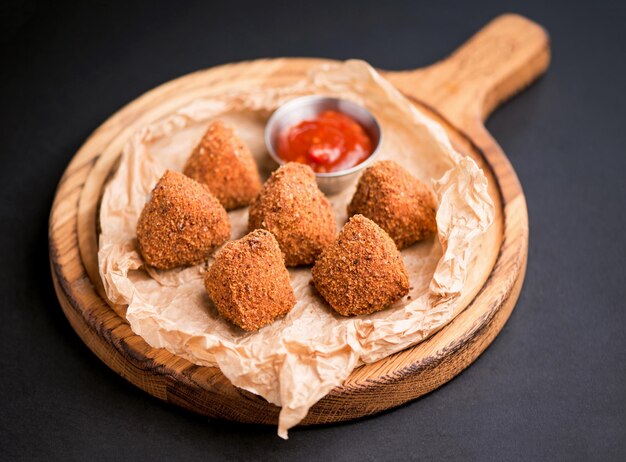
248,281
181,224
296,212
397,202
362,271
223,162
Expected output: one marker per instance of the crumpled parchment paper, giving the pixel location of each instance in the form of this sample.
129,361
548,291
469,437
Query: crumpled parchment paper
296,360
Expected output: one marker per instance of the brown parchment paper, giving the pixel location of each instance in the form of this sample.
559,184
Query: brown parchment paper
297,360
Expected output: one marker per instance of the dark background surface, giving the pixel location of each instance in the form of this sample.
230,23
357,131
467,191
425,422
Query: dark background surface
551,386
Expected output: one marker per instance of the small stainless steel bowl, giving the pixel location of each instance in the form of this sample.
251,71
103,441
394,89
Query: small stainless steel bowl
308,107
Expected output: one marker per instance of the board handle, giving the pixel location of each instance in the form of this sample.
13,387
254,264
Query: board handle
500,60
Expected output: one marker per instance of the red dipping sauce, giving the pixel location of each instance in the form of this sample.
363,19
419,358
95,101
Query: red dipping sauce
329,143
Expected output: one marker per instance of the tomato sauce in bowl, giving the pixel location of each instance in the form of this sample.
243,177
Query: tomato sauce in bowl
330,142
336,137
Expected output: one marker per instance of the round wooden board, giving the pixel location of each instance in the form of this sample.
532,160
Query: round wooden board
458,92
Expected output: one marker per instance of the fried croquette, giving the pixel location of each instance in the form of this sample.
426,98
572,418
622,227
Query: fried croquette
362,271
181,224
224,163
397,202
296,212
249,283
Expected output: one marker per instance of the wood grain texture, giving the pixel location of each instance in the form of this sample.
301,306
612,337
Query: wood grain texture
459,92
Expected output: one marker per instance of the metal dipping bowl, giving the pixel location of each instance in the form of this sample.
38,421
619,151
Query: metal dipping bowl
308,107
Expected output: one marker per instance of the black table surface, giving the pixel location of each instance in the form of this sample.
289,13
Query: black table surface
551,386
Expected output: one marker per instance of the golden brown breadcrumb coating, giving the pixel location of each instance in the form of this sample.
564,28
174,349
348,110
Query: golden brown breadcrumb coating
362,271
248,281
223,162
181,224
397,202
296,212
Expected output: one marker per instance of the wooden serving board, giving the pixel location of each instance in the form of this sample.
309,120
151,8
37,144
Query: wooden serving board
459,92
